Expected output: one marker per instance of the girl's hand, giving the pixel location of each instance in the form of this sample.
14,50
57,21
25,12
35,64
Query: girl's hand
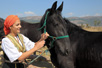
44,36
39,44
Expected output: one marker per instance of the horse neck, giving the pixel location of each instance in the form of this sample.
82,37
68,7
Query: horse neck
75,32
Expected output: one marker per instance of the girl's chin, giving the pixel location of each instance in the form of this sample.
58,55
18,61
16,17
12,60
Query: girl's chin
18,31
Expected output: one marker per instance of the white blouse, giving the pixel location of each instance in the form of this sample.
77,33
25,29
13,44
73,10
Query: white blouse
11,51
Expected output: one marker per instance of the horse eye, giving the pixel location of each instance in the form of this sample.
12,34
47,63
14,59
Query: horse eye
56,24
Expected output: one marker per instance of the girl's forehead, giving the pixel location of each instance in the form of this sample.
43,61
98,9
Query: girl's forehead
17,21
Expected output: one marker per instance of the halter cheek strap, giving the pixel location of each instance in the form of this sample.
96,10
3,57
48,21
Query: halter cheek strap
44,25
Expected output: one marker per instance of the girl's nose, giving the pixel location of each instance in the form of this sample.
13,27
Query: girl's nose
20,26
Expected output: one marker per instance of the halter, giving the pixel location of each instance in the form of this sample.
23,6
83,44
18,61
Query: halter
54,38
44,26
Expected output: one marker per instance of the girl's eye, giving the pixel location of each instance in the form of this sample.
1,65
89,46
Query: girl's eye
17,24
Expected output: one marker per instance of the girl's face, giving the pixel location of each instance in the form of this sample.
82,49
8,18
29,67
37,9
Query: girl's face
15,28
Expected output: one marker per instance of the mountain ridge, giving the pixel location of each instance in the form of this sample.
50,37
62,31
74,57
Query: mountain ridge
86,20
90,20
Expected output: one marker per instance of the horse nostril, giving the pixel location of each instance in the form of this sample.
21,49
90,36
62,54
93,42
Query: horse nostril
67,51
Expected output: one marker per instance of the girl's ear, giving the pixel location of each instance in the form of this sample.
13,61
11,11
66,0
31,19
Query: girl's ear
10,27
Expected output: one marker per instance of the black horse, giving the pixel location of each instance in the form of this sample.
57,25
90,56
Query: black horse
1,22
31,30
55,26
87,46
1,28
61,55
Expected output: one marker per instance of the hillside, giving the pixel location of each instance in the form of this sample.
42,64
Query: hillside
32,19
77,20
86,20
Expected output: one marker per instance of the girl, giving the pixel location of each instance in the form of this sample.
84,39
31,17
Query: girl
16,46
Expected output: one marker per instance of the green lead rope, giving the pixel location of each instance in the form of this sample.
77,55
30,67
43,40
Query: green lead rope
44,25
54,38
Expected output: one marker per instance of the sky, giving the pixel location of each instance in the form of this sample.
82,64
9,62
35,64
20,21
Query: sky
71,8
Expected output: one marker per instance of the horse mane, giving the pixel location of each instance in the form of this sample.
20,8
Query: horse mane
43,17
1,28
1,22
73,27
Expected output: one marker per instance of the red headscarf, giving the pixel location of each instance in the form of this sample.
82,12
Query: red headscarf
9,21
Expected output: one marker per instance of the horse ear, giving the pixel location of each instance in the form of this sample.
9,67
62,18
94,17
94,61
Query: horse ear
60,8
54,6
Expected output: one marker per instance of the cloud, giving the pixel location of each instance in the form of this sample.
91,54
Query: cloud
26,13
70,14
84,15
19,14
97,14
30,13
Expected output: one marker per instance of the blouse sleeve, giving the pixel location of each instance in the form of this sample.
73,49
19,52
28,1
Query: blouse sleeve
10,50
28,43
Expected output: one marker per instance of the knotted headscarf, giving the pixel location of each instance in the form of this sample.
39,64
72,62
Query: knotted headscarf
9,21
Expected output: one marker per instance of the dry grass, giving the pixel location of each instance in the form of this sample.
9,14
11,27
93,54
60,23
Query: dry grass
93,29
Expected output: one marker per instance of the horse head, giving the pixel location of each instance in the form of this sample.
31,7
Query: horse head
54,24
